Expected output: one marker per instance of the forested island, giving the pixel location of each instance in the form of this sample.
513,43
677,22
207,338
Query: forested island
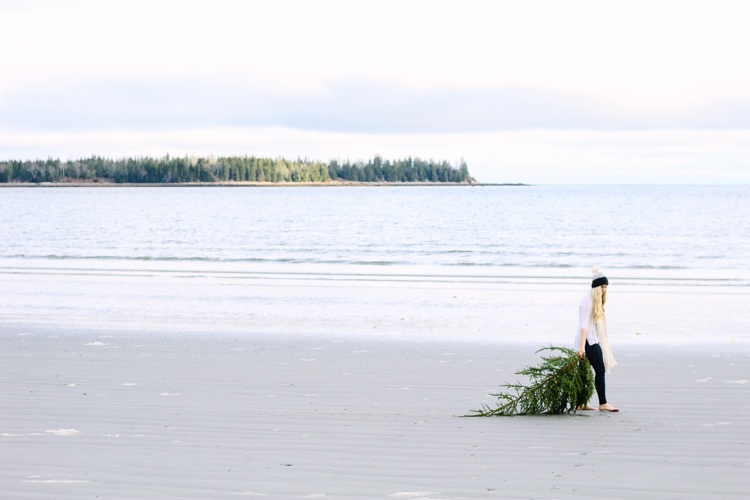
171,170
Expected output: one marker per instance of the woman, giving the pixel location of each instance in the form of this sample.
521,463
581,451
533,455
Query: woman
592,341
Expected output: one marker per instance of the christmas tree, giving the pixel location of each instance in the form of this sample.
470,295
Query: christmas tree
559,384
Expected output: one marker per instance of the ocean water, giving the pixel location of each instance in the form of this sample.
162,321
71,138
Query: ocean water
468,262
628,227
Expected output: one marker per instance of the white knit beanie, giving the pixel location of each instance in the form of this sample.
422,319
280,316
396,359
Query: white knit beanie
598,279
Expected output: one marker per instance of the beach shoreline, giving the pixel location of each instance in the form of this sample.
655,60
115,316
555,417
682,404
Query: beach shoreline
336,183
320,343
415,303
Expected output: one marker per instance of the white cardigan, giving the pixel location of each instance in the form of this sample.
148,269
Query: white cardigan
586,320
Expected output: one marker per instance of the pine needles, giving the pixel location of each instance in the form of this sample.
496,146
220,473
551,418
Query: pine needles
560,384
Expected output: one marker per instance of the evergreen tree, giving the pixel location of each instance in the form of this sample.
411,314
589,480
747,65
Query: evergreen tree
559,384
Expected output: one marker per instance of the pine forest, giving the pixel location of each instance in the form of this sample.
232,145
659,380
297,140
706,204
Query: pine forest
166,170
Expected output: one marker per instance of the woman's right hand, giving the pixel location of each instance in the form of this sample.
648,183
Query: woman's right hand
582,344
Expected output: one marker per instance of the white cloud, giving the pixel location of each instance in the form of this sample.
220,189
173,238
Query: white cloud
357,106
541,92
646,54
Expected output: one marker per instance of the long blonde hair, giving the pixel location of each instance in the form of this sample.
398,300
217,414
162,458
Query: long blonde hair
598,298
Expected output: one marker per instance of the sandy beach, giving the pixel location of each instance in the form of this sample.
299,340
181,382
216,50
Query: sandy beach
312,343
147,415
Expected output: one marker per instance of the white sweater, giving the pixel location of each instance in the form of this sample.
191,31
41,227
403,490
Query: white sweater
586,320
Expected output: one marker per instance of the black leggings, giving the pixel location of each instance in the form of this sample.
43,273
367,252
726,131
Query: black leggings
594,354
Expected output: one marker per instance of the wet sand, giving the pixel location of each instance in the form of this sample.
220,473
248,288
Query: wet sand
88,413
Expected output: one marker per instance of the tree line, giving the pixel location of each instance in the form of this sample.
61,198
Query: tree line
407,170
147,170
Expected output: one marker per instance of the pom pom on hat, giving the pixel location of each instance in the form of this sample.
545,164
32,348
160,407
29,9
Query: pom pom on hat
598,279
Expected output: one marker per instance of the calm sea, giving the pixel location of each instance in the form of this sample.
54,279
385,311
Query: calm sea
485,263
633,227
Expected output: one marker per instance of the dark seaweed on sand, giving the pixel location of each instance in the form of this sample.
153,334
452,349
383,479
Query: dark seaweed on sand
559,384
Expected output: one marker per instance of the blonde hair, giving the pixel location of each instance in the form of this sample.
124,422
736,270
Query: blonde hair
598,298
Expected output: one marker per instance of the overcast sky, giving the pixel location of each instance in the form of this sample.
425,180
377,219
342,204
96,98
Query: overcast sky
540,92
